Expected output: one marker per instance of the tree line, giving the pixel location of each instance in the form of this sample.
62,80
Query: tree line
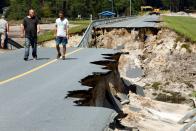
173,5
73,8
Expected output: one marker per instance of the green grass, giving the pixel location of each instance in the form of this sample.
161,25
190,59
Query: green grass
80,22
193,94
164,11
81,26
156,85
185,26
46,36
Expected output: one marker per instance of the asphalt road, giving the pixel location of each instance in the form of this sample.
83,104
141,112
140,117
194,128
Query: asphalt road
32,93
134,22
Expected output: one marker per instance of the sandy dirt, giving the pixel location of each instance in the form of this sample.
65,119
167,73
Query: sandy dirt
153,115
3,51
157,56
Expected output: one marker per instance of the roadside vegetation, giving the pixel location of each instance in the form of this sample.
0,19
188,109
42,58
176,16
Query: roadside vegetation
78,28
183,25
193,94
85,8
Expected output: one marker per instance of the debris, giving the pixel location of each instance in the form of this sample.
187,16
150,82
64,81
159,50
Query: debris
189,115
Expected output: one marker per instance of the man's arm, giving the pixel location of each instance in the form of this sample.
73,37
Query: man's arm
38,25
22,30
38,28
55,30
22,26
7,28
67,30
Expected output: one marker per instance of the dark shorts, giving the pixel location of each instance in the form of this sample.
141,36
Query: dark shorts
61,40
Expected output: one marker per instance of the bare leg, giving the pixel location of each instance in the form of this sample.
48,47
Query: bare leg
2,44
64,50
58,51
2,40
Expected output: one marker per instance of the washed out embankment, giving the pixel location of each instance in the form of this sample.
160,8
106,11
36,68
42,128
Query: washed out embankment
159,60
159,64
163,64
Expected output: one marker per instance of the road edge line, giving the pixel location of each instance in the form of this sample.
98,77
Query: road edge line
35,69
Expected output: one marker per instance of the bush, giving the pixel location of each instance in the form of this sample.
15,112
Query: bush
187,47
156,85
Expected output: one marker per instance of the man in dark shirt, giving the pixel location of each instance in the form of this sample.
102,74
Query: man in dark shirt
30,29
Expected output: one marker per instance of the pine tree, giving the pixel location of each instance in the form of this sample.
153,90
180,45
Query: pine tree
47,8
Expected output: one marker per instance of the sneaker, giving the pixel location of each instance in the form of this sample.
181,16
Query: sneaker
63,57
34,58
58,56
25,59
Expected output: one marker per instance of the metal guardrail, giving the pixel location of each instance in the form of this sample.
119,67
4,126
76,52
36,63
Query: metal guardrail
88,33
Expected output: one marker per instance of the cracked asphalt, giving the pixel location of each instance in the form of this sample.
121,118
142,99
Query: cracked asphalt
32,93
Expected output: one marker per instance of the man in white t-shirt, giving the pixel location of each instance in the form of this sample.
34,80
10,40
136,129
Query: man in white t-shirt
4,28
61,34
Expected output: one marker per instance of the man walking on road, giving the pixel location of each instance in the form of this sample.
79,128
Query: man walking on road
30,29
61,34
4,29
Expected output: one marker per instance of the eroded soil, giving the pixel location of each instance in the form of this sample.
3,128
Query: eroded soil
168,65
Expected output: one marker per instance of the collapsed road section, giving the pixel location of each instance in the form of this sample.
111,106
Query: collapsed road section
106,89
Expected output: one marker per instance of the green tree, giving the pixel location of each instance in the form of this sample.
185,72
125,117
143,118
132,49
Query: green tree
46,11
17,11
36,5
47,8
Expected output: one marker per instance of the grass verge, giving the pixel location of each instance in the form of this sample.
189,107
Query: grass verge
193,94
81,26
185,26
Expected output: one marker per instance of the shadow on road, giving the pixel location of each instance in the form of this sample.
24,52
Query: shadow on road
39,59
71,58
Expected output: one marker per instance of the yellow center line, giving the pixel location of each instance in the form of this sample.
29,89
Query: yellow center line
34,69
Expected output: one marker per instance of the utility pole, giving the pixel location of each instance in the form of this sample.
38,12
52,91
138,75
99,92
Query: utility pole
112,5
170,6
130,7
